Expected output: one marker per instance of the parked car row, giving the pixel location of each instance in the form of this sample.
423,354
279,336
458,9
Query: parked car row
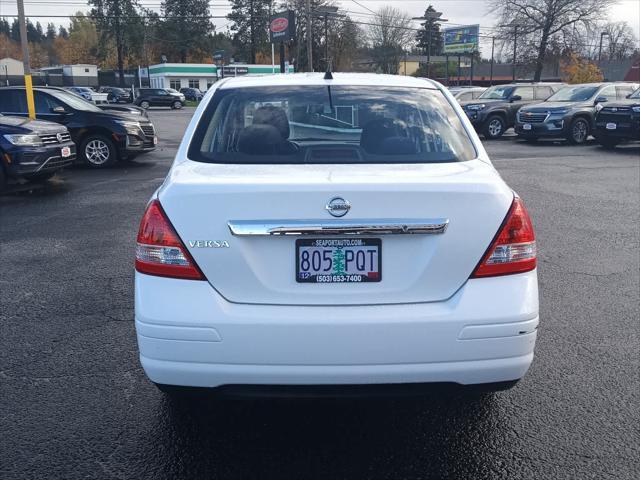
67,128
609,111
143,97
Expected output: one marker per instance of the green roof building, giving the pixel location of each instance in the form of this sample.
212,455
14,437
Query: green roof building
202,75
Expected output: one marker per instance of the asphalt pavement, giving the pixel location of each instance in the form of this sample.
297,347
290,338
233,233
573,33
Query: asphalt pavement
75,403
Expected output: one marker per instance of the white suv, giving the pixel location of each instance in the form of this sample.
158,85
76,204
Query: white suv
334,231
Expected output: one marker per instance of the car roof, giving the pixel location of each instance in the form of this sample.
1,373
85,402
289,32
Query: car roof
339,78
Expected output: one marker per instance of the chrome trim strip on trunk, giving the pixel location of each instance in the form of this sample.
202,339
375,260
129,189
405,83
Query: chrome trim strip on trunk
243,228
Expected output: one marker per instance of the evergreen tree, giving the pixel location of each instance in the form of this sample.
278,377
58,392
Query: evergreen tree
187,27
115,20
5,28
62,32
15,30
40,32
437,39
51,32
250,27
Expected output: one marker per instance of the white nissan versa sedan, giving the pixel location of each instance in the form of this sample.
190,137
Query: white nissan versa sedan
334,230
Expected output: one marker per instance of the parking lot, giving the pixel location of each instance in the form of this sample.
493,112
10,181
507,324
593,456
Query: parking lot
76,404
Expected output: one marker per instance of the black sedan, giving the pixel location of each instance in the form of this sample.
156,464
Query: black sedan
103,137
33,149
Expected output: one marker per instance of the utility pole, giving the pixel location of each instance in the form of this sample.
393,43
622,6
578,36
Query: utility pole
253,38
326,12
309,40
602,35
446,67
28,84
493,47
515,45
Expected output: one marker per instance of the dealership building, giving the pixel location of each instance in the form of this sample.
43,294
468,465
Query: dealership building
202,75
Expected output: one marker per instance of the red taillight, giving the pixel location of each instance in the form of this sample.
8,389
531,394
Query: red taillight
513,250
159,250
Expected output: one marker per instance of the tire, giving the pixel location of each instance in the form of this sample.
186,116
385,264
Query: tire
176,105
40,177
578,131
608,143
98,151
144,104
494,127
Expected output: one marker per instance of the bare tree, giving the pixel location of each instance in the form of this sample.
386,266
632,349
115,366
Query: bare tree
390,35
621,40
539,21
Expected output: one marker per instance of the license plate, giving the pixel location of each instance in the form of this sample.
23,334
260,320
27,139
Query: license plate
155,140
611,126
65,152
338,260
526,126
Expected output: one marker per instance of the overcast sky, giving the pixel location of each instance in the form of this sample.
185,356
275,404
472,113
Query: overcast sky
458,12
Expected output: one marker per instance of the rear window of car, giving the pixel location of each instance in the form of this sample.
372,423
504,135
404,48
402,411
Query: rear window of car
330,124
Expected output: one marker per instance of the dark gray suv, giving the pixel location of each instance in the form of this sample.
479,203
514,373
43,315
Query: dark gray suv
570,112
494,112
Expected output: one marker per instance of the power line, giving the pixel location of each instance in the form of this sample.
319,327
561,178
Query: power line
360,5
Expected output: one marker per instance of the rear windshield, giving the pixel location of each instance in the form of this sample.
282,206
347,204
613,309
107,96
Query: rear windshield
330,124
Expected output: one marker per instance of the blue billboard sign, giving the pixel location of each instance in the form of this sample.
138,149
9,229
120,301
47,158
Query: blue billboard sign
461,39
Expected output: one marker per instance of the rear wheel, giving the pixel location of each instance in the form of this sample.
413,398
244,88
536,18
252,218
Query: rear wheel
98,151
494,127
144,104
176,105
578,131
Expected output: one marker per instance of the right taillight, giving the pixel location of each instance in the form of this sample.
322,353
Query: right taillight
159,250
513,250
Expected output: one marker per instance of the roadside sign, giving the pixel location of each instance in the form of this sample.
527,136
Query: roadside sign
218,55
461,39
233,71
282,26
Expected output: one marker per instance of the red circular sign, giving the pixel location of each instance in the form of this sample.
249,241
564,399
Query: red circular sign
279,25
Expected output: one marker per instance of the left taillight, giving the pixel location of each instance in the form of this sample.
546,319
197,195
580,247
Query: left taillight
513,250
159,250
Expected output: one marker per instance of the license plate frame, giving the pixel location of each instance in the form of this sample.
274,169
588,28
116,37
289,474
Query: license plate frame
331,244
526,126
611,126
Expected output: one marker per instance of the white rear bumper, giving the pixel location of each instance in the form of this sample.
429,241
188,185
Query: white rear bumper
189,335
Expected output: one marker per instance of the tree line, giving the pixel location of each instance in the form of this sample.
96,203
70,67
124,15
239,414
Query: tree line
121,34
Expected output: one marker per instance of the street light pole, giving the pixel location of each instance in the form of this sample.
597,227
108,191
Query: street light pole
309,41
326,40
515,50
430,18
428,49
28,84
